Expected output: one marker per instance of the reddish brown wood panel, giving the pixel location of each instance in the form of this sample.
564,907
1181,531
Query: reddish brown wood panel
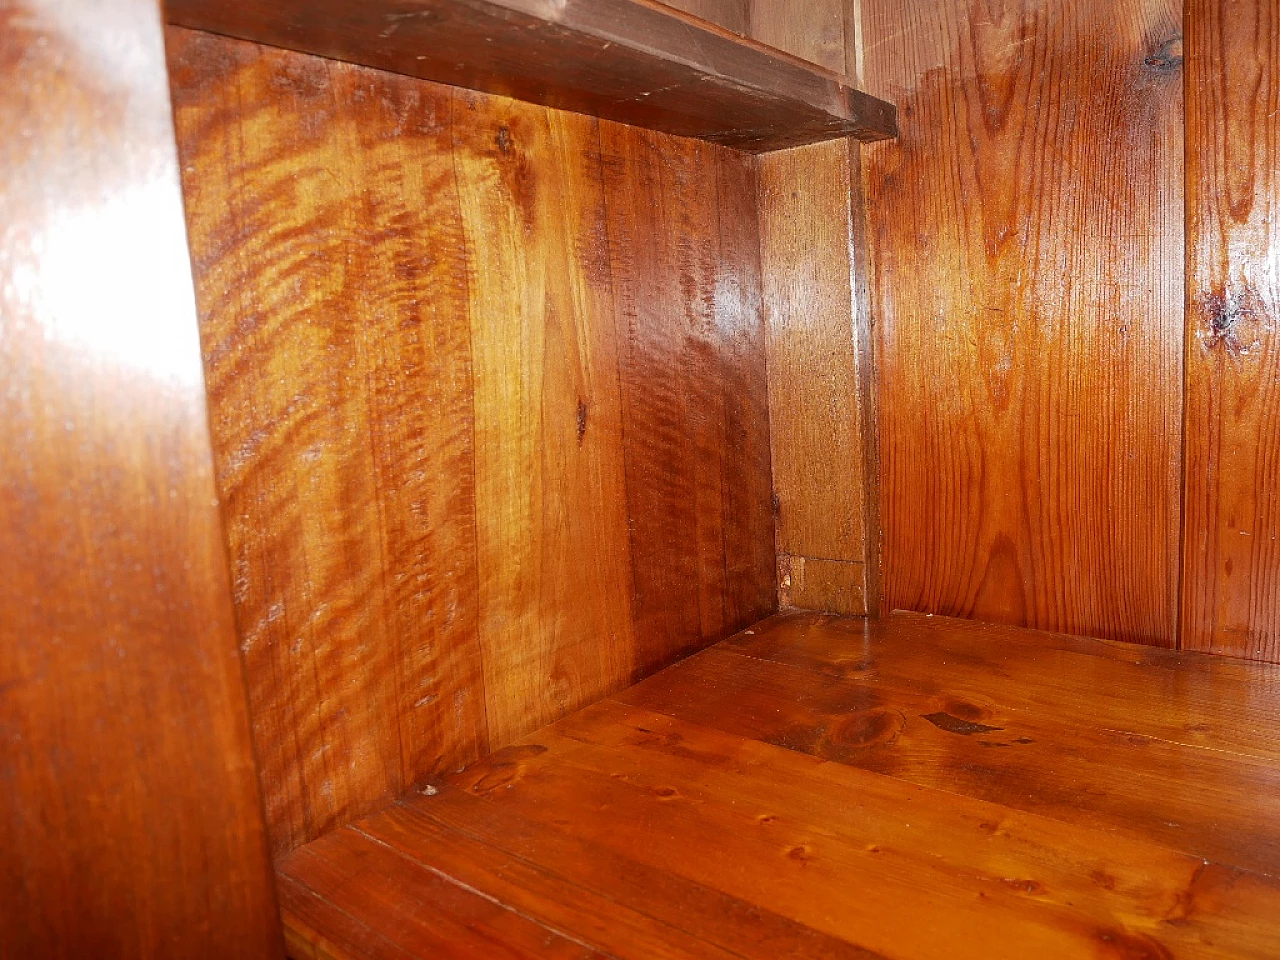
1026,233
632,61
695,429
130,820
1231,581
915,788
338,358
814,401
489,448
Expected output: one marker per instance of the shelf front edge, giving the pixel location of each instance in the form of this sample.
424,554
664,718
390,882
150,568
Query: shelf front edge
632,61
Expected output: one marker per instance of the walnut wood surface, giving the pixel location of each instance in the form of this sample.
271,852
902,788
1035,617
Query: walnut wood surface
1026,234
633,61
824,787
130,820
1231,580
489,408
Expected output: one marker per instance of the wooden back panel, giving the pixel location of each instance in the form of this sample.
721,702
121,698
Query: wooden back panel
1231,579
489,406
130,820
1026,233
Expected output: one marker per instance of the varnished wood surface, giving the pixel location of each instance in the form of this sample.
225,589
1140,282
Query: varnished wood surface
821,410
814,400
489,408
631,61
1231,581
1026,234
130,820
823,787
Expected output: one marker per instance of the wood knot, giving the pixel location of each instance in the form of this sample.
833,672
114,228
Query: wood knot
1167,58
505,768
965,728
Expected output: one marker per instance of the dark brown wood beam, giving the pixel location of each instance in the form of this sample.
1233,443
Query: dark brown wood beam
632,61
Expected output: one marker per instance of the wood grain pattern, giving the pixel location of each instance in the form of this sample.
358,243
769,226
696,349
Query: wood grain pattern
813,31
878,699
692,371
761,799
554,553
815,420
632,61
130,820
822,412
490,449
1231,580
1027,243
340,383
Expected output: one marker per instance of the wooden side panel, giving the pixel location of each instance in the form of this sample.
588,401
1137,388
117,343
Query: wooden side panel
1027,239
338,359
1231,583
130,820
554,553
489,408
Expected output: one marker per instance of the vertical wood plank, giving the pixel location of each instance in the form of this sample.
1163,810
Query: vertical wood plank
741,344
339,374
130,820
815,420
680,320
819,366
734,15
1231,582
812,30
554,554
1026,232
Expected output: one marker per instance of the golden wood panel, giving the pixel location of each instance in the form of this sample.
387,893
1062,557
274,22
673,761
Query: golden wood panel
489,405
1231,581
1026,233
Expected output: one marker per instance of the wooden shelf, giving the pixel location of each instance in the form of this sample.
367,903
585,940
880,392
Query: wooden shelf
911,787
633,61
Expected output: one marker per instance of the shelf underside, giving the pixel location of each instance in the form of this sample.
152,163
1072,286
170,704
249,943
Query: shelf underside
632,61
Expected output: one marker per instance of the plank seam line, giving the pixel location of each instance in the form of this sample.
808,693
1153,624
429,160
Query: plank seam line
485,896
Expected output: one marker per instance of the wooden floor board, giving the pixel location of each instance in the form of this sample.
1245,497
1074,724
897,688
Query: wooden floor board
837,788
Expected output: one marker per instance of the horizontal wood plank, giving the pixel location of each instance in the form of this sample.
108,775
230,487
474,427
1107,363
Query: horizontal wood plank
633,61
807,789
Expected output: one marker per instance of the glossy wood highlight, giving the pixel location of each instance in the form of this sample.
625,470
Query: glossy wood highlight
130,820
798,791
1026,234
1231,581
632,61
489,404
339,364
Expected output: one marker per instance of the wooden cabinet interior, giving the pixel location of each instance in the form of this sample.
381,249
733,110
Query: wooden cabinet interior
525,388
